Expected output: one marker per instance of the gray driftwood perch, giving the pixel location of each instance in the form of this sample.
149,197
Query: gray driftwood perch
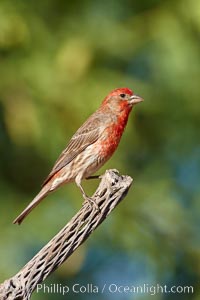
112,189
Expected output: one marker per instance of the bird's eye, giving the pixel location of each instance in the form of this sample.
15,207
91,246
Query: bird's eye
122,95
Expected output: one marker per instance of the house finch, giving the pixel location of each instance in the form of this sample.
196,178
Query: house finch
90,147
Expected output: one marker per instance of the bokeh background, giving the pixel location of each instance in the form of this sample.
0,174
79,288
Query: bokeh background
58,59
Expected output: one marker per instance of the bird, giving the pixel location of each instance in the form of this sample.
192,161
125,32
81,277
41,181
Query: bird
90,147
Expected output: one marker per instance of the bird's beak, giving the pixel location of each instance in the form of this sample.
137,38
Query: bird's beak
135,99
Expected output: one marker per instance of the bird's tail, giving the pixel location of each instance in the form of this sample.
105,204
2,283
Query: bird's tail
42,194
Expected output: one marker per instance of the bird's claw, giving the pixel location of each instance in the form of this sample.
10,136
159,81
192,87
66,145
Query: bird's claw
92,203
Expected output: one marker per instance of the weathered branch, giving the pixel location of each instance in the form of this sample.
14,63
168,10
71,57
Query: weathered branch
112,189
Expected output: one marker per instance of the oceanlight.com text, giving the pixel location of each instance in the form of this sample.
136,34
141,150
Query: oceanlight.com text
113,288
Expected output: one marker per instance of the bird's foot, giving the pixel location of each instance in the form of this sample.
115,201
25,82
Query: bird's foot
92,203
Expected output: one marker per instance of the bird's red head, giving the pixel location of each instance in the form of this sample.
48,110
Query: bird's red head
119,91
122,97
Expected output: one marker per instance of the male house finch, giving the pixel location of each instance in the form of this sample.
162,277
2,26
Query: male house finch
90,147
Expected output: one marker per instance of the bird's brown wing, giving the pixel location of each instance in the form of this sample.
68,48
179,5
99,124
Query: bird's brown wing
86,135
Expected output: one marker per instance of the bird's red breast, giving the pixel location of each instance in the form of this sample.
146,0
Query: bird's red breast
114,131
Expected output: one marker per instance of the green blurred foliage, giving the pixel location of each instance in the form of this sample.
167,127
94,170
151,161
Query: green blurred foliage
58,59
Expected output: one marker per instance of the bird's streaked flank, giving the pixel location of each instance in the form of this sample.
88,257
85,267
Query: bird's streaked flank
90,147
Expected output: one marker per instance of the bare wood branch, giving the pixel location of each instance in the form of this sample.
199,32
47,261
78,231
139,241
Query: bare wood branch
112,189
